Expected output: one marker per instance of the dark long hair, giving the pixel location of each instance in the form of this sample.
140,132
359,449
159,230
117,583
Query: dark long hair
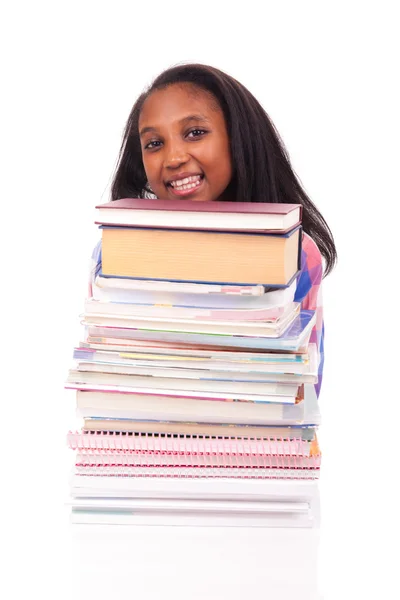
261,166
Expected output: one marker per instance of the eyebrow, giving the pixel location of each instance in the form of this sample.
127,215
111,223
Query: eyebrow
184,121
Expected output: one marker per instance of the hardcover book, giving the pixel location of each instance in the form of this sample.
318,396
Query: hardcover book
196,256
183,214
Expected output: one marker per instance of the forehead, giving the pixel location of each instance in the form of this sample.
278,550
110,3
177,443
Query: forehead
177,101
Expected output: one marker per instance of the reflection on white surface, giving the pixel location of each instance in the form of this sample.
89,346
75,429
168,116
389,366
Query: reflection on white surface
194,562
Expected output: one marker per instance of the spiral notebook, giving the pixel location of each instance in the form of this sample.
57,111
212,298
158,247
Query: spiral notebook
193,456
136,464
199,473
190,444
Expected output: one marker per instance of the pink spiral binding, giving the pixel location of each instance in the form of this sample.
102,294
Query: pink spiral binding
100,458
186,444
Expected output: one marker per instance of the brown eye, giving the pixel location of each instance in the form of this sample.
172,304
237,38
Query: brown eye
197,133
152,145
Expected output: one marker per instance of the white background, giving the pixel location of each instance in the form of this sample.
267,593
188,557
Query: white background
326,74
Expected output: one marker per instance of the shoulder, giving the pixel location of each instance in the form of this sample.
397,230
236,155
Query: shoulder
311,257
310,251
96,254
96,260
311,268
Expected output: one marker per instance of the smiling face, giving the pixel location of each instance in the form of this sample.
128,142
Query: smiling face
185,144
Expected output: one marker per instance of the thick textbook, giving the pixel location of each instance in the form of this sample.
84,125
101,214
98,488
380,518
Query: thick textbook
257,216
202,256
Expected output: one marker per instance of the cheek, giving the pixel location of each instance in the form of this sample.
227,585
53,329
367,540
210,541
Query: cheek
150,168
217,157
223,163
223,155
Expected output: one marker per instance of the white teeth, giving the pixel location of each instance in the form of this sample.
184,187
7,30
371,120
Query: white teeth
183,183
186,187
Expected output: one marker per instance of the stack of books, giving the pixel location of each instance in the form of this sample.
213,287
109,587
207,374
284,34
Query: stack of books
195,378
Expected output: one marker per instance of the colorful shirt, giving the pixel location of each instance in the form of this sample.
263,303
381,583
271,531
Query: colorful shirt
308,291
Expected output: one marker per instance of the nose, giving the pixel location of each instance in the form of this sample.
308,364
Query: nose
175,155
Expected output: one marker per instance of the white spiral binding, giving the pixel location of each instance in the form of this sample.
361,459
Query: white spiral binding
198,472
138,459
